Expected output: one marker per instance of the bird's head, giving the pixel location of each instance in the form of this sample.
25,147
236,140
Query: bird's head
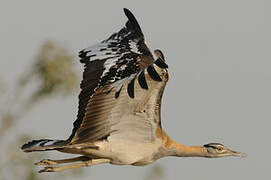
215,150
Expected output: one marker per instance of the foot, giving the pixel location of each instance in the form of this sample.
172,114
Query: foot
45,162
47,169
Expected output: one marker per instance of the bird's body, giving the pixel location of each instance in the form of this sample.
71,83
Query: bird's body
119,116
128,153
138,142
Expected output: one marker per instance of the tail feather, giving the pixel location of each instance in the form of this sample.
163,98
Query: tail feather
42,145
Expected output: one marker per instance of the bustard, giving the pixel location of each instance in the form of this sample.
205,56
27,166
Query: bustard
119,119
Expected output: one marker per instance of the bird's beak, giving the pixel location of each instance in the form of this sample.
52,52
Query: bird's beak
238,154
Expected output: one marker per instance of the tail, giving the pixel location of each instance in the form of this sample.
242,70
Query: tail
43,145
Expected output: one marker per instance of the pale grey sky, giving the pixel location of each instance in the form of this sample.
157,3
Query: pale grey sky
218,52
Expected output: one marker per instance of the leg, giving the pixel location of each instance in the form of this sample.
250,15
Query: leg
53,162
81,164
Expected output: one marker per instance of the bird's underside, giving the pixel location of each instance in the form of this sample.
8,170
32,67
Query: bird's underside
118,120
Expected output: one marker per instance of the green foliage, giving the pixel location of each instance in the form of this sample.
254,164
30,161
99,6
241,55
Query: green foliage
7,120
52,73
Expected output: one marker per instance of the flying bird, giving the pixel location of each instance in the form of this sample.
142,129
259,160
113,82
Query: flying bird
119,114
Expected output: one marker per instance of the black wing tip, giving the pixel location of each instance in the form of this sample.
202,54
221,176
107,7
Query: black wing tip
142,80
130,88
126,10
153,73
160,63
117,94
133,22
128,13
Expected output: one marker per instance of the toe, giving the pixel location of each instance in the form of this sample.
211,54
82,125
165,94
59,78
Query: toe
45,162
47,169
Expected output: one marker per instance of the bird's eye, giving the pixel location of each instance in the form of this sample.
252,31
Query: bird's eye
219,148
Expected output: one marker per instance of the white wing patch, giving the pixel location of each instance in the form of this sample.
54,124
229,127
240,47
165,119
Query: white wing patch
108,64
99,51
133,46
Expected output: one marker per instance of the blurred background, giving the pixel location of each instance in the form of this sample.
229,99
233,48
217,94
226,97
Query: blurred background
218,52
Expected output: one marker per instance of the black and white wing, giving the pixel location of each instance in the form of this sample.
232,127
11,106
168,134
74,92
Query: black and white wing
110,66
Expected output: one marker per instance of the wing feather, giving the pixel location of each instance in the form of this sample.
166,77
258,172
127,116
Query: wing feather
115,58
135,119
111,66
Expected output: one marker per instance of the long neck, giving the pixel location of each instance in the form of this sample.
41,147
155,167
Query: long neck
176,149
187,151
173,148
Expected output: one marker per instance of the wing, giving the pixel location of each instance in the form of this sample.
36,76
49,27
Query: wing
126,110
116,58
